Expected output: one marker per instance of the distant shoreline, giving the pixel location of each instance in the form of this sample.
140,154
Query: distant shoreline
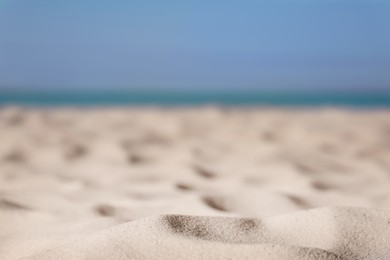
194,98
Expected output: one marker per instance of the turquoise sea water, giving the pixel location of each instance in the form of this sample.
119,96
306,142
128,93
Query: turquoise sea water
171,98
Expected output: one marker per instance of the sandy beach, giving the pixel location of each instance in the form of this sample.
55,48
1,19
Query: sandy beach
194,183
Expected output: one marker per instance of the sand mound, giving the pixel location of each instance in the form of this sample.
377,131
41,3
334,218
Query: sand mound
325,233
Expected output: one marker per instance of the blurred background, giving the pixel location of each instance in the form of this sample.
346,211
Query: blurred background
179,52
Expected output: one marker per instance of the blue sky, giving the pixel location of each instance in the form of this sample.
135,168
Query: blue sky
220,44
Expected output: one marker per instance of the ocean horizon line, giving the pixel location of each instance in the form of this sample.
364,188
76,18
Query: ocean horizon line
356,98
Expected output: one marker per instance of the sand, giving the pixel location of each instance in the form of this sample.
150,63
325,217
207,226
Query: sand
194,183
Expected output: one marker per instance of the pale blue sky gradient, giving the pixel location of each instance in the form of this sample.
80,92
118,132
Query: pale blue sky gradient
220,44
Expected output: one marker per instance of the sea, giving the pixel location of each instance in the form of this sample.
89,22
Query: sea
76,97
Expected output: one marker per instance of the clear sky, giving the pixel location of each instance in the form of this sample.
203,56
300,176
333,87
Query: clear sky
221,44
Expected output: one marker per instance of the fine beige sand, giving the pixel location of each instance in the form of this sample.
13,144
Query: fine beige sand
194,183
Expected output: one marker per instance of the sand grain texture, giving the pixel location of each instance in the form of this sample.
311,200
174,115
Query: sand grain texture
194,183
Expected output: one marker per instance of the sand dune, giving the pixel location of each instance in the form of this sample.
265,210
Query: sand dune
195,183
324,233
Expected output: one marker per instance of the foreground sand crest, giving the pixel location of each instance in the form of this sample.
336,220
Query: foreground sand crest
323,233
